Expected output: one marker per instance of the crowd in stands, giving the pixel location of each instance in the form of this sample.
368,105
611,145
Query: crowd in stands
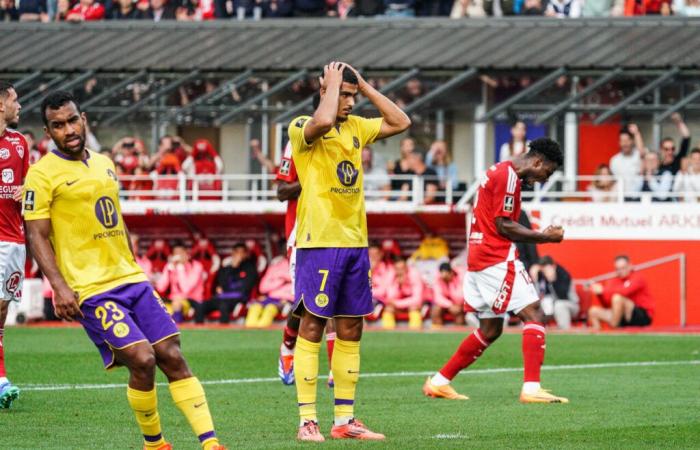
657,175
199,10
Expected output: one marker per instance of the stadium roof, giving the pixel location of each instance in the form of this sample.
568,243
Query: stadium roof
370,44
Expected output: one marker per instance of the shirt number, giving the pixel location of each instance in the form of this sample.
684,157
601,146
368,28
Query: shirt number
108,314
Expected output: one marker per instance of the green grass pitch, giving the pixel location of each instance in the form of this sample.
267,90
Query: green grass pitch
612,405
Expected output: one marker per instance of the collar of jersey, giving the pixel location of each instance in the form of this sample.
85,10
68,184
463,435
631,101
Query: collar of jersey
62,156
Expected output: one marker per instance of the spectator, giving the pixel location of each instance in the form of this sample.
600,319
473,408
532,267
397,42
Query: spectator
448,296
604,187
670,160
499,8
204,160
235,281
309,8
158,253
125,10
426,259
399,8
275,290
33,11
563,9
278,8
647,7
375,177
205,252
345,9
8,12
430,178
369,8
183,283
439,160
532,8
404,293
467,8
34,153
126,155
160,10
63,8
86,11
141,259
690,8
559,300
626,165
401,167
688,179
434,8
597,8
658,183
625,300
518,143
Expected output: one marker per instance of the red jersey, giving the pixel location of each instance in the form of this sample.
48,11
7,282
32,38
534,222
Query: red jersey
634,287
498,196
288,173
14,163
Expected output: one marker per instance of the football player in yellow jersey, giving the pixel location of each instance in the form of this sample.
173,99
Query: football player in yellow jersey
333,270
79,239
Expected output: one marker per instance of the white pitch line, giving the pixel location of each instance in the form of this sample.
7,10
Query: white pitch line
78,387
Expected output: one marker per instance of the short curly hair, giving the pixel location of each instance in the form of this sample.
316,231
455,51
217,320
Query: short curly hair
548,150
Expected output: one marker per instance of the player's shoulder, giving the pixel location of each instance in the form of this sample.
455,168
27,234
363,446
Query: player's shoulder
298,122
98,157
44,164
14,134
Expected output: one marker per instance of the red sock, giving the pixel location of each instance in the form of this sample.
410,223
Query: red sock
290,338
469,350
2,354
533,350
330,341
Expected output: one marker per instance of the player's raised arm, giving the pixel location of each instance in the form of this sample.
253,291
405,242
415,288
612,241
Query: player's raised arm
395,120
65,299
325,115
512,230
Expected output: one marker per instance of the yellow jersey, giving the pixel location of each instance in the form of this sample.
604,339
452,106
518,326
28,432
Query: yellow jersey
331,208
88,235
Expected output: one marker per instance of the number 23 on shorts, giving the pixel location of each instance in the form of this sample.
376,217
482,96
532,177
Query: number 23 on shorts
108,315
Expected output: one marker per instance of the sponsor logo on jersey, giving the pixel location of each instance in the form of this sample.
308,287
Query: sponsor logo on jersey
29,200
355,142
20,150
321,300
8,176
508,203
4,153
106,212
112,175
300,123
284,167
347,173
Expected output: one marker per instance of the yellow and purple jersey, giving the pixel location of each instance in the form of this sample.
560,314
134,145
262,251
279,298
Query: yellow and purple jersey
88,234
331,208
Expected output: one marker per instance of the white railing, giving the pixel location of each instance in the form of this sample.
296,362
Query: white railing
680,257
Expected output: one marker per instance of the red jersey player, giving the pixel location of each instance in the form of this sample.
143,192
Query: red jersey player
496,281
14,162
288,189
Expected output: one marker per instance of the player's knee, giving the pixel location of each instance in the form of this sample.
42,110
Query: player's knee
143,362
491,333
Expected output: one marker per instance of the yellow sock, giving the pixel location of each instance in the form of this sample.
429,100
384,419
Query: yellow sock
306,376
415,321
253,316
268,316
346,372
388,320
145,407
188,396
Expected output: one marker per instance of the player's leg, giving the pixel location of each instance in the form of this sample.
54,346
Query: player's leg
330,343
12,258
564,311
598,314
255,310
477,286
533,348
622,308
458,312
436,313
306,358
188,395
354,302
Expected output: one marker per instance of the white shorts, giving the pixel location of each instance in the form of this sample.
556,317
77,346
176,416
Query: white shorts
12,258
496,290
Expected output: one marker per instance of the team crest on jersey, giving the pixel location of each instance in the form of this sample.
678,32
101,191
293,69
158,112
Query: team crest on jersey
321,300
106,212
508,203
356,142
20,150
284,167
8,176
112,175
29,200
300,123
4,153
347,174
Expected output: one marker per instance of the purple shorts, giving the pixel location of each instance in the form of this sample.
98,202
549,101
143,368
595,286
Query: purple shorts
333,282
124,316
